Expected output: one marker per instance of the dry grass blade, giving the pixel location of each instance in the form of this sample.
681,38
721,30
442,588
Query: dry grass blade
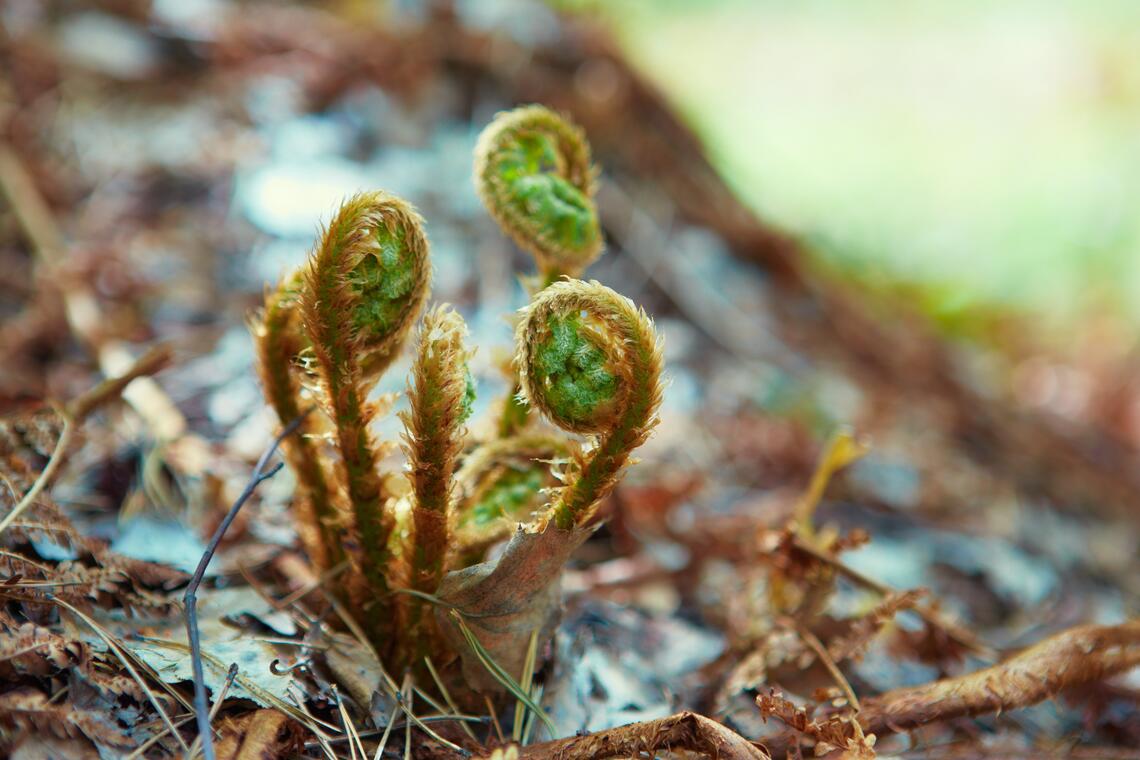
524,684
354,743
499,674
387,733
447,696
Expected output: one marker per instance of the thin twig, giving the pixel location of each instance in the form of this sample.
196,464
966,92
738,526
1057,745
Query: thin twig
190,599
1072,658
73,416
821,652
231,674
35,217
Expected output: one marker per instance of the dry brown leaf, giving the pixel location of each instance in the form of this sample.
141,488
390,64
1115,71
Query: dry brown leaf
28,710
505,601
29,649
259,735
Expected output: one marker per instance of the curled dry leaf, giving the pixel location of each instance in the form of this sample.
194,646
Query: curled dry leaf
683,731
504,601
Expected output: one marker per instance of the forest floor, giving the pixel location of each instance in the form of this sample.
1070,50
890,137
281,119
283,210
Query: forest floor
958,578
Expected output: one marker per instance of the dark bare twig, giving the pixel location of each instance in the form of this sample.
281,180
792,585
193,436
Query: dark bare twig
190,599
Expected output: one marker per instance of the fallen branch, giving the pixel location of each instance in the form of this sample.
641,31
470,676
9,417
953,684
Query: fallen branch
1075,657
683,731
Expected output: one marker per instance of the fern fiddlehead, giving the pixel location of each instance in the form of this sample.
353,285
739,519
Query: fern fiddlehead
504,482
533,173
280,342
363,290
441,396
590,361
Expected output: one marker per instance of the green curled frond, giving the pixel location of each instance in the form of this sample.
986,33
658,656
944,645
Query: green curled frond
504,482
373,271
590,361
533,173
364,287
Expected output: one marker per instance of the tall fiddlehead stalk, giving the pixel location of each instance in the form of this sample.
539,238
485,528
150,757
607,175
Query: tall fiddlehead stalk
364,288
533,173
280,342
441,395
590,361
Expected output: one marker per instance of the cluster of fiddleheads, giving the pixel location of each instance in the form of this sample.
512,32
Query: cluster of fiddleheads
587,359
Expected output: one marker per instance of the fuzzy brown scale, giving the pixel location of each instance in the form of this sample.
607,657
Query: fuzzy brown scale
433,442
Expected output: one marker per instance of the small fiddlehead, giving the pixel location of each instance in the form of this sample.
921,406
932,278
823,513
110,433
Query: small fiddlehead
533,173
364,288
280,342
440,396
590,361
503,482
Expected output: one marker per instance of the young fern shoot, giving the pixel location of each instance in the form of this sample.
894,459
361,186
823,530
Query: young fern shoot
533,173
591,362
441,395
588,359
280,343
364,288
534,176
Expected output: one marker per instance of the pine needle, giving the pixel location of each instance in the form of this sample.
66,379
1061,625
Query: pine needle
499,674
524,684
447,696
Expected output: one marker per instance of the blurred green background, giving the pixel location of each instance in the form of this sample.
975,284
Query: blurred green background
976,155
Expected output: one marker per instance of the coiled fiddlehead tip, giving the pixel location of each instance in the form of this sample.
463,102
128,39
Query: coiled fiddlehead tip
441,393
372,271
533,173
591,362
